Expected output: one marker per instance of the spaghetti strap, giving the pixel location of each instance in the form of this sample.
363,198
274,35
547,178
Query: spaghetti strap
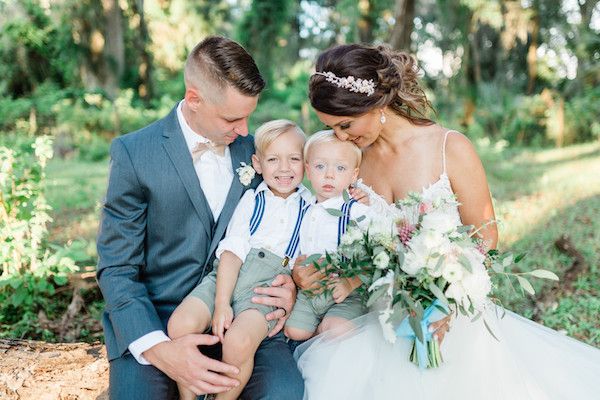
444,150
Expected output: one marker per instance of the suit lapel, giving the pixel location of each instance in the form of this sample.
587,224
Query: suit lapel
176,147
233,196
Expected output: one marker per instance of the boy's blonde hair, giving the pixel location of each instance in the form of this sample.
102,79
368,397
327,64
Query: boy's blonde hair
269,131
328,136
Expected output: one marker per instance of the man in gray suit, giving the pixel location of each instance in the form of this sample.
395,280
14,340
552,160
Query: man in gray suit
167,206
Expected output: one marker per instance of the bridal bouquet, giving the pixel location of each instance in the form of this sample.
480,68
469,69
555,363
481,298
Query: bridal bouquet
420,265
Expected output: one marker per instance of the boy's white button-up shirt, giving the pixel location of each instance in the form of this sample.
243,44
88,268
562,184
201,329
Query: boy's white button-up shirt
319,231
275,229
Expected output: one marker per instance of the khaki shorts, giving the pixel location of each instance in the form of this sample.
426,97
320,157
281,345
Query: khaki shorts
259,269
310,310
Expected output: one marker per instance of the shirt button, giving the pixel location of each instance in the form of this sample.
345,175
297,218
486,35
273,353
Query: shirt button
261,254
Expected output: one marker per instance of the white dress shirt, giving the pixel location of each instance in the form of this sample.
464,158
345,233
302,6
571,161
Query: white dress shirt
319,231
215,174
275,230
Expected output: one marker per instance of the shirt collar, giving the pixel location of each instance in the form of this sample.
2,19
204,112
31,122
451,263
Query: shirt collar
300,191
334,202
191,137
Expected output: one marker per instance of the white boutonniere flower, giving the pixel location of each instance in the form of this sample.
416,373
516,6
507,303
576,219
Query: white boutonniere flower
246,173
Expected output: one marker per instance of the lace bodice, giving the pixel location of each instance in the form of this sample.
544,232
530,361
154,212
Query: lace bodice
438,190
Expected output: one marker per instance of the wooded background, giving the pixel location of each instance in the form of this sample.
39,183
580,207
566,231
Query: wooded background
520,78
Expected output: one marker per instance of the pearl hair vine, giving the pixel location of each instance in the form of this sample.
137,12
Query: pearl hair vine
349,82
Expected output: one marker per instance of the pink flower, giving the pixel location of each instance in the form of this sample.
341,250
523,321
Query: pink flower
405,231
424,208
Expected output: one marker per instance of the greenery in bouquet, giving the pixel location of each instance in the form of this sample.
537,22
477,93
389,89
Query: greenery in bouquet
420,264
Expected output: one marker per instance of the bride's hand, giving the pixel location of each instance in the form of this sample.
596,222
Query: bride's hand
306,276
359,195
440,328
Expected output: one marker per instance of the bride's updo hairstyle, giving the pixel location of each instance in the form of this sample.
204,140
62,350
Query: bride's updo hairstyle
394,73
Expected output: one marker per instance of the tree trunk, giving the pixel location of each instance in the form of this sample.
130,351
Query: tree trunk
534,28
403,27
365,22
146,86
114,47
48,371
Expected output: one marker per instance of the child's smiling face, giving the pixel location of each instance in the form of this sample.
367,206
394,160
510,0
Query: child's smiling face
281,165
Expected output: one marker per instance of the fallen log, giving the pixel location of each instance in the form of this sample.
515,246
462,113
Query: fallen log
52,371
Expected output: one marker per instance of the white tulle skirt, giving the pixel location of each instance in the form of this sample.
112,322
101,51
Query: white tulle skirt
529,361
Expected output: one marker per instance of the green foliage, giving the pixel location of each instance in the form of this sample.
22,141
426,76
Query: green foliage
30,270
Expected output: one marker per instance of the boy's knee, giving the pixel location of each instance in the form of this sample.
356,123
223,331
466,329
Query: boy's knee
296,333
237,348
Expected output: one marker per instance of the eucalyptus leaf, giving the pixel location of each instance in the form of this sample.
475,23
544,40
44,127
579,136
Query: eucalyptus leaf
543,274
313,258
415,324
346,196
526,285
438,293
335,212
464,261
489,329
380,291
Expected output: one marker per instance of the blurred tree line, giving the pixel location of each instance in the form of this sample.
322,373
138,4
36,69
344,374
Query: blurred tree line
84,71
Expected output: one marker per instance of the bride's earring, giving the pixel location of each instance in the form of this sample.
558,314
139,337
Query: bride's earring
382,118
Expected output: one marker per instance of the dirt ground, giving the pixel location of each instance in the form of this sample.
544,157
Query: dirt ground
48,371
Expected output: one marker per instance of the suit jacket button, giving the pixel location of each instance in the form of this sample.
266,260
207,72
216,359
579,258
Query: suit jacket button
261,254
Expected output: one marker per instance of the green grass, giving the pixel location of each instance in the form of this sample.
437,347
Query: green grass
74,190
539,195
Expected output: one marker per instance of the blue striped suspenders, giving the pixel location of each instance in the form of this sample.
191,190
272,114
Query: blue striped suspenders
344,219
257,216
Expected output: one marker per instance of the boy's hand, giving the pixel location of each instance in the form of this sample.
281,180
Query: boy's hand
359,195
306,276
342,287
222,319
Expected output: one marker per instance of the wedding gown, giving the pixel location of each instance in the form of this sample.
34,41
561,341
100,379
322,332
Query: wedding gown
528,361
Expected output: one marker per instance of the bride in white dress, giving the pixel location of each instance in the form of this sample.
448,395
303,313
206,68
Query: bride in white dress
383,110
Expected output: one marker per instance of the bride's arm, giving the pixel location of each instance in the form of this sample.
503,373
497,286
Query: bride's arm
469,183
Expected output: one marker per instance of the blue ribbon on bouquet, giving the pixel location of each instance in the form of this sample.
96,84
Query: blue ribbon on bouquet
431,314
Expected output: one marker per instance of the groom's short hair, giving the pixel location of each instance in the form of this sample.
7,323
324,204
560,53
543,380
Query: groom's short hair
217,62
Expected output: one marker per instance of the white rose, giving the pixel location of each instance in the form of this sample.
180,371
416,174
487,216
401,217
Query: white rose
413,263
477,286
452,271
351,236
438,221
246,173
457,292
381,260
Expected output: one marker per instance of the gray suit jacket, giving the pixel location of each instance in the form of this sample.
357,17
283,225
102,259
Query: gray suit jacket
157,236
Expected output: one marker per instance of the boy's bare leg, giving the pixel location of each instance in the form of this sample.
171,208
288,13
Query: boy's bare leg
336,325
241,341
297,333
191,316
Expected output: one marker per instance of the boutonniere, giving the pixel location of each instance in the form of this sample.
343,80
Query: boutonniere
246,173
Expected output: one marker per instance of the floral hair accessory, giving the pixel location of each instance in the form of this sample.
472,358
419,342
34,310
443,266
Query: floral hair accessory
349,82
246,173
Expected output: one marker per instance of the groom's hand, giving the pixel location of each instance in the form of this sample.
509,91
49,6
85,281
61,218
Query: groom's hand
281,294
181,361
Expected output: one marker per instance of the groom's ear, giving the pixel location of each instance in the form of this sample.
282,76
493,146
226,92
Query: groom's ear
256,164
193,97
